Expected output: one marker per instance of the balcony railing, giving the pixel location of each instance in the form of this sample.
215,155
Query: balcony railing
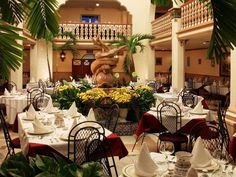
161,27
194,13
87,31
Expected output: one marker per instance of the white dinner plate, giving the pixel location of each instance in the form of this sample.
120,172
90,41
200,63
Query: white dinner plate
212,167
129,171
47,131
199,113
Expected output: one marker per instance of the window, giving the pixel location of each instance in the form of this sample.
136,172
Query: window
89,18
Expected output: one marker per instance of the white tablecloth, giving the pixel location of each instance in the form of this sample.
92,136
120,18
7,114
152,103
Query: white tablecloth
52,139
166,96
14,104
187,117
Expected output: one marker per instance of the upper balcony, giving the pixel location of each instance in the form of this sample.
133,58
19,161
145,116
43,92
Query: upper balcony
196,18
85,32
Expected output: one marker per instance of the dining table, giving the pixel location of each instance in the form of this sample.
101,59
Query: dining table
55,142
150,122
14,103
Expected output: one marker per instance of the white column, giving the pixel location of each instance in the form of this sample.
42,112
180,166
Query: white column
143,13
177,52
38,60
232,107
17,76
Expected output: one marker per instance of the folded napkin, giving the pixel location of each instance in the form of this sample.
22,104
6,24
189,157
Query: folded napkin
198,108
32,80
72,110
201,157
39,127
49,108
145,166
31,114
91,116
13,91
192,173
6,92
171,90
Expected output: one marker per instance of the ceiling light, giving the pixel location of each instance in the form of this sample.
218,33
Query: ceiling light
97,4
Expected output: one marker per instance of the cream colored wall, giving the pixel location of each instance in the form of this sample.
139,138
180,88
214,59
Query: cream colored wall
113,16
166,61
204,68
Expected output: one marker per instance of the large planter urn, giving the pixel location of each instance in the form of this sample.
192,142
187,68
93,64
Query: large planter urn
123,113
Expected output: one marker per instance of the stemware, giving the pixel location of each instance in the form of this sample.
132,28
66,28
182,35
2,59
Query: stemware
167,148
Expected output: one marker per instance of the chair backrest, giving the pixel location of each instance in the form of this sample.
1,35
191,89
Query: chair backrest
169,114
42,85
188,99
31,93
98,149
40,101
77,138
109,115
6,134
221,113
212,137
10,85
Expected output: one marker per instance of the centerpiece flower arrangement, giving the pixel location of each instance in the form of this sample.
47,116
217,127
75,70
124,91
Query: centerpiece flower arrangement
65,95
93,95
145,99
123,96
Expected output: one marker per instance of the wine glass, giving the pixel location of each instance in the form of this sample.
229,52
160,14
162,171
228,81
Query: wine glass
167,148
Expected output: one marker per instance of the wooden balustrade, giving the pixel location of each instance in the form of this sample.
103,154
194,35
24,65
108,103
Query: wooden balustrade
161,27
86,31
194,13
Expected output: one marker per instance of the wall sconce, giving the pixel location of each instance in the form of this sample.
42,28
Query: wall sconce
62,55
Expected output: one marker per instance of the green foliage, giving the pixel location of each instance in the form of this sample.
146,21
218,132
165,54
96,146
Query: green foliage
132,43
145,98
66,95
42,22
44,166
10,50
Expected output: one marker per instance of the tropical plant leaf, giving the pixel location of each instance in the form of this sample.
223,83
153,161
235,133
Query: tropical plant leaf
11,51
223,36
131,43
43,19
13,11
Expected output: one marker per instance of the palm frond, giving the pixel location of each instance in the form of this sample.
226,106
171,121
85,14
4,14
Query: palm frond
13,11
43,19
10,50
223,36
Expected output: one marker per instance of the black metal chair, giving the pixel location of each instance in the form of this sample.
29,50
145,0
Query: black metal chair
11,144
110,115
77,139
169,115
221,113
152,131
40,101
10,85
212,137
98,149
31,94
188,99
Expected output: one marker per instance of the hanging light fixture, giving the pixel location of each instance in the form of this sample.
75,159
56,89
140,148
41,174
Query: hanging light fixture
62,55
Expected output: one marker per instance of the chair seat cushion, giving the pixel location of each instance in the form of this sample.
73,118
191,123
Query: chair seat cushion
175,138
16,143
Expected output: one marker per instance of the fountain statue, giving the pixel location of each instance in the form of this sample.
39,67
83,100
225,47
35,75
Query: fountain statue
106,61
